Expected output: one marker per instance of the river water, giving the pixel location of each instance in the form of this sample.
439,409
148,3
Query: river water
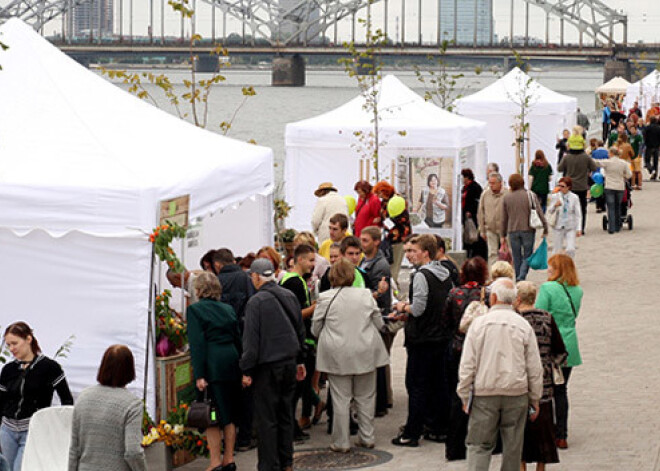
264,116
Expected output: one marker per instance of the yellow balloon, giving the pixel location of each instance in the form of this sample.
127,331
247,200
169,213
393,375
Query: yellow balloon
395,206
351,203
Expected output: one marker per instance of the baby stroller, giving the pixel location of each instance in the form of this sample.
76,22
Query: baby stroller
626,204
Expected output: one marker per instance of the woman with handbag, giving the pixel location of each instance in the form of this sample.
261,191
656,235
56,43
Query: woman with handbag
539,445
565,218
561,296
215,346
347,323
471,294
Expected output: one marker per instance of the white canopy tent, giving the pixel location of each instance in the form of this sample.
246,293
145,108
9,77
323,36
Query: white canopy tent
83,167
323,148
645,92
498,105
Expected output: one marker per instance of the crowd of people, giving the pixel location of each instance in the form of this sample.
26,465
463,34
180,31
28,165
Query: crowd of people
489,355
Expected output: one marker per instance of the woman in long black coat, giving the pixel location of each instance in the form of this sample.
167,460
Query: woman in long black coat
470,196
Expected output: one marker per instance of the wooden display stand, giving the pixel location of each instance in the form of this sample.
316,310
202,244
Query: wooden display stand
174,384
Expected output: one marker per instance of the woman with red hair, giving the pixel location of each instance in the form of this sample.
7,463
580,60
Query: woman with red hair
367,211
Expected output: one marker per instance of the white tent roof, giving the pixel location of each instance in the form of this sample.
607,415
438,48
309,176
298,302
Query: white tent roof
500,98
614,86
79,154
646,91
401,109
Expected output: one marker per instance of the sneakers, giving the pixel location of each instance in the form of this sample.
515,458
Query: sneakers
402,440
337,449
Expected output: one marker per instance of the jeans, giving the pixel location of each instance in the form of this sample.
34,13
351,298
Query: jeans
613,199
428,397
522,246
12,444
4,466
489,414
274,388
651,159
543,199
583,206
561,406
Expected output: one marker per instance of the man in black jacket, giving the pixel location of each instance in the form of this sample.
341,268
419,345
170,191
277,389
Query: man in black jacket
652,142
428,332
272,362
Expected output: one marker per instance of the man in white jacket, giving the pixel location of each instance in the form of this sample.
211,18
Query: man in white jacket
329,203
500,380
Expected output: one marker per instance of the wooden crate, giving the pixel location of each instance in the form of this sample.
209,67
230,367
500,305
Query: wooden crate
174,383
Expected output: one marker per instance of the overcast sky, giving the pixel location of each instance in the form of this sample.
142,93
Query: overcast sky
644,19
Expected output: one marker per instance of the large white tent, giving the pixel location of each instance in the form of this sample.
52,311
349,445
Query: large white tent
83,167
498,105
325,147
617,86
645,91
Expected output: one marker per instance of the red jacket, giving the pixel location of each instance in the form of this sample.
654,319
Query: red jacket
365,213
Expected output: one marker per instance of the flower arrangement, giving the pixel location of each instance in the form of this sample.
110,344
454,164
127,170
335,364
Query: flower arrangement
171,332
162,237
174,433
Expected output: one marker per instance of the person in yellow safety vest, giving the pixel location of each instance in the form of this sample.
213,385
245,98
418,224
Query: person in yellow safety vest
293,280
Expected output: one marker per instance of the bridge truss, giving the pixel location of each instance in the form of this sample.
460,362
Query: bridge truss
286,22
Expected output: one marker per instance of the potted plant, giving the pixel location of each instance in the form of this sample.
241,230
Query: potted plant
171,333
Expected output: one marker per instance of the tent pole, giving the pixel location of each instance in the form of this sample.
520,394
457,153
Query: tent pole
150,327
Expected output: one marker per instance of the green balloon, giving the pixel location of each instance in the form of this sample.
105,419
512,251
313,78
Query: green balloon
351,203
395,206
596,190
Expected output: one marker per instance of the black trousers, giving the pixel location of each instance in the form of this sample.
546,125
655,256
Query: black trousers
245,416
561,406
583,205
304,389
274,389
428,396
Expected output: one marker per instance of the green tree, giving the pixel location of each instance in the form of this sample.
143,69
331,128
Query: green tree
525,96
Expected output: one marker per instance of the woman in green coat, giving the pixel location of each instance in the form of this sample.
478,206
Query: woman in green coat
215,345
561,296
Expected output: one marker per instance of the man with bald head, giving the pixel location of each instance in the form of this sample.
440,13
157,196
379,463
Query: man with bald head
500,380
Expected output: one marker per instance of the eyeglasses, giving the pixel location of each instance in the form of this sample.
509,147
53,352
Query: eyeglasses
563,186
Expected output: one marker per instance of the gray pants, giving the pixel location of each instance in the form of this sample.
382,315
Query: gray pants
508,413
362,390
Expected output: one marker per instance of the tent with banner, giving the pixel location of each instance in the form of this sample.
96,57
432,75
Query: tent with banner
418,140
614,90
499,104
645,91
83,169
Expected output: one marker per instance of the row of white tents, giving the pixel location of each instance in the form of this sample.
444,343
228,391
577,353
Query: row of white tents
84,166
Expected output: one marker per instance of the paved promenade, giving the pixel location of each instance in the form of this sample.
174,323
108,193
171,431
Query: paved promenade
614,422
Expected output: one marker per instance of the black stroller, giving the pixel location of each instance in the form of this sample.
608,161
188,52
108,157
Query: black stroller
626,204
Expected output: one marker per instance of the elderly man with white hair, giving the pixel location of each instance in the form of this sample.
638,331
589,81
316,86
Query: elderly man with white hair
500,380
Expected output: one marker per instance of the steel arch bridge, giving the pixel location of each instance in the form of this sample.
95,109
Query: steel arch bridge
283,22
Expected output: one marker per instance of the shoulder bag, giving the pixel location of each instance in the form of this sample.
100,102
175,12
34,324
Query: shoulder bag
534,218
202,414
557,374
328,308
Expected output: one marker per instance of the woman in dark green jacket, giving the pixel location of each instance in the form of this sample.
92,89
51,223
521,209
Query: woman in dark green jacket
215,345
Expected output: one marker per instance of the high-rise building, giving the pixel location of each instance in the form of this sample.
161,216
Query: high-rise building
94,18
462,20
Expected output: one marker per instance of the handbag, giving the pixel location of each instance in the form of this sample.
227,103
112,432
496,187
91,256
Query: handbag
539,259
202,414
470,233
504,254
551,216
557,374
534,218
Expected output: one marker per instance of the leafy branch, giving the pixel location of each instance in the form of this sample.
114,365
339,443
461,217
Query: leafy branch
525,97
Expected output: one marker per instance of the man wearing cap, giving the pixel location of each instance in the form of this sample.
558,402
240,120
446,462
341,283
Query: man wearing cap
272,362
329,203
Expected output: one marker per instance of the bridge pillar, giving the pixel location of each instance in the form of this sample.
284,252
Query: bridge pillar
206,63
614,67
288,71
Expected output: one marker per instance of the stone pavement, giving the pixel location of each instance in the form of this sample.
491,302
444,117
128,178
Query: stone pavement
614,423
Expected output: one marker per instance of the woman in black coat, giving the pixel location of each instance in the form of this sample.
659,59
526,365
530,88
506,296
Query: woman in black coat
470,196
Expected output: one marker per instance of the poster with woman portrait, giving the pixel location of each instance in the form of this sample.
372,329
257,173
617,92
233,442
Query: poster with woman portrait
429,189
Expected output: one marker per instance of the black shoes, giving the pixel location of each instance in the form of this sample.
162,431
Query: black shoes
402,440
435,437
227,467
301,436
247,446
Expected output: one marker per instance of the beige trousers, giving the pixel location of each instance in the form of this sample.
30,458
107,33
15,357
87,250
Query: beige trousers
493,240
362,390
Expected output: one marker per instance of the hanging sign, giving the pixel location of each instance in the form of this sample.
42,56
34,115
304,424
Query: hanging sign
175,210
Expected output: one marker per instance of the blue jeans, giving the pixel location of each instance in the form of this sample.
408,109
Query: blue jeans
4,466
12,444
522,246
613,200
